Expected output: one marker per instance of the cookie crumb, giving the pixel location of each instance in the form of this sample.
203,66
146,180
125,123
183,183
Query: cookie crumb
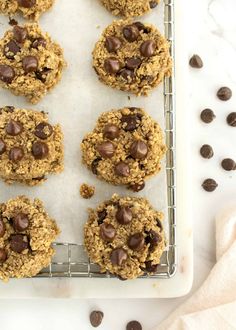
87,191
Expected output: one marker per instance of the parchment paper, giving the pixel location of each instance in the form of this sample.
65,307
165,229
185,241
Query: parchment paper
76,103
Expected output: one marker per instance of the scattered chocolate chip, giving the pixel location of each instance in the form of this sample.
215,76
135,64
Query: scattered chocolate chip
112,44
30,64
96,318
106,149
14,128
43,131
152,4
131,32
228,164
136,242
94,165
3,255
107,232
130,122
133,63
7,73
19,243
102,216
147,48
206,151
209,185
152,238
12,22
231,119
16,154
118,256
136,187
122,169
39,42
11,49
2,228
150,268
224,93
111,65
196,62
26,3
207,116
124,215
111,131
20,222
40,150
133,325
127,74
139,150
2,146
19,34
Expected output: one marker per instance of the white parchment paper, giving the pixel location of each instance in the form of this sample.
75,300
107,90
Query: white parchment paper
76,103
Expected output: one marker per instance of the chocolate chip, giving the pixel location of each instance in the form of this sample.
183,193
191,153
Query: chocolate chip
11,49
14,128
228,164
131,32
102,216
136,187
124,215
224,93
26,3
152,238
20,222
159,224
16,154
196,62
206,151
30,64
107,232
133,325
7,73
43,130
2,228
39,42
209,185
152,4
42,75
111,131
12,22
122,169
19,33
138,149
2,146
207,116
112,44
147,48
96,318
40,150
106,149
130,121
141,27
231,119
7,109
150,268
94,165
111,65
127,74
3,255
19,243
136,242
118,256
133,63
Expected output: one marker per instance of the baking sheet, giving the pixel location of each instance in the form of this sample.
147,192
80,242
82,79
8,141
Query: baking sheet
76,103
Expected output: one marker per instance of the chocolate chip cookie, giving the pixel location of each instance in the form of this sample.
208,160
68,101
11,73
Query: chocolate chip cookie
30,9
30,147
125,237
31,63
129,8
26,234
125,147
132,56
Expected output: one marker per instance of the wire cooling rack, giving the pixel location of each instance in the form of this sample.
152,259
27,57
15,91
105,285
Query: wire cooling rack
70,260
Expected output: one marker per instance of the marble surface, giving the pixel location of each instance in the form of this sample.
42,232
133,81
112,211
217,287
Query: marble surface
210,31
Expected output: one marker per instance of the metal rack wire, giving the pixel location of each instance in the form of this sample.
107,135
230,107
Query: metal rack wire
70,260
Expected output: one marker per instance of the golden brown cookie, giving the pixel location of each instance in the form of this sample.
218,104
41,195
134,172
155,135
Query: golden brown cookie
125,237
132,56
26,234
31,63
30,147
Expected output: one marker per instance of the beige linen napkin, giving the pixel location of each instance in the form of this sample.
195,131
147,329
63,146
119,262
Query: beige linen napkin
213,306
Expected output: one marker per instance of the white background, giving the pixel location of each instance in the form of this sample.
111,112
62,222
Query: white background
211,33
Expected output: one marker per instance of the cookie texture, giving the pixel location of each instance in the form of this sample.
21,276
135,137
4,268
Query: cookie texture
132,56
31,64
130,8
30,9
125,237
26,234
125,147
30,147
